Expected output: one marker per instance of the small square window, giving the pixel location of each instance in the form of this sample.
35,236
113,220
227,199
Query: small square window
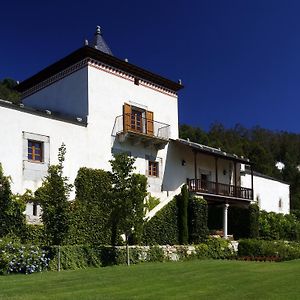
34,209
153,168
35,151
136,81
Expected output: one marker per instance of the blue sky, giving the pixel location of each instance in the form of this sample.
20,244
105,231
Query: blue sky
239,60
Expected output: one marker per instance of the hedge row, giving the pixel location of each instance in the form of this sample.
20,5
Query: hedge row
274,226
280,249
83,256
181,221
18,258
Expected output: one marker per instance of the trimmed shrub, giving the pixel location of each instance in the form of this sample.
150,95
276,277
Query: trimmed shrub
253,221
163,227
12,219
74,257
182,201
219,248
274,226
34,234
156,254
197,217
83,256
90,213
280,249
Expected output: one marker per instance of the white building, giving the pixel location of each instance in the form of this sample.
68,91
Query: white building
99,105
271,195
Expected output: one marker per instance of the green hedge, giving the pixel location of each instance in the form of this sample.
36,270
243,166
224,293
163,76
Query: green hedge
181,221
282,250
83,256
162,229
33,234
197,220
274,226
253,221
182,201
90,222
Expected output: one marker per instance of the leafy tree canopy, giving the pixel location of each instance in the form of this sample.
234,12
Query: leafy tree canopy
8,92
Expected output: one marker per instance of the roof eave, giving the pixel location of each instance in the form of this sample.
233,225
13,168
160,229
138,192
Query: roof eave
89,52
219,153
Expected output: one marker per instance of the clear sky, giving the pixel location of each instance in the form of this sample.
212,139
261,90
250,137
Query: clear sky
239,60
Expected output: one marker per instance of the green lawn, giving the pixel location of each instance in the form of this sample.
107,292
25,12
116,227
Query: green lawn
208,279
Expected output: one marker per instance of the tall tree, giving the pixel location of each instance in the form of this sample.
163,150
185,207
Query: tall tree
128,193
53,197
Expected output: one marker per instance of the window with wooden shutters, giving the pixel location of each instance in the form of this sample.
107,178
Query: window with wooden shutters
137,119
149,127
126,116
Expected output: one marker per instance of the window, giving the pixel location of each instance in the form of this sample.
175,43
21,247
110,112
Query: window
35,151
153,168
138,119
34,209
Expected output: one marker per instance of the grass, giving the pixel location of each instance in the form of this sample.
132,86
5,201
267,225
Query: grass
207,279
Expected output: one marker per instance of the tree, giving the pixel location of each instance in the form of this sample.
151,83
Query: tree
128,193
182,204
53,197
12,219
8,92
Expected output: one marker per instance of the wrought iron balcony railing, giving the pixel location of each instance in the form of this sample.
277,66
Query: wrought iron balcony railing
136,124
211,187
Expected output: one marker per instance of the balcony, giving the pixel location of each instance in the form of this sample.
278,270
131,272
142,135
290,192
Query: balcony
224,190
137,129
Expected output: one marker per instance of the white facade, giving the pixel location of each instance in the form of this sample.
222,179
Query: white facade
82,103
92,96
270,194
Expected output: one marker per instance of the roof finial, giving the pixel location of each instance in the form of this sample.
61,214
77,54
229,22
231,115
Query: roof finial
98,30
99,42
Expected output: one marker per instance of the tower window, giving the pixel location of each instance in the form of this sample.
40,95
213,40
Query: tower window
34,209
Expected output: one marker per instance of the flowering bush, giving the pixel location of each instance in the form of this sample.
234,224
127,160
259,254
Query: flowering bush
17,258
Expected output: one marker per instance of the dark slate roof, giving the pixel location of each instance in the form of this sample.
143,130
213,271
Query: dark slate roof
213,151
99,42
44,113
90,52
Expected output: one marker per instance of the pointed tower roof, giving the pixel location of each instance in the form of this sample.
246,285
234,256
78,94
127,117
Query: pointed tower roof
99,42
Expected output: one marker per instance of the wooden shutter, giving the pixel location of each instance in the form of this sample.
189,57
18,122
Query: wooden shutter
149,118
126,117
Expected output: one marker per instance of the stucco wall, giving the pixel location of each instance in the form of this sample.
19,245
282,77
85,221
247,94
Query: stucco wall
176,173
67,95
107,94
13,154
268,193
91,92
